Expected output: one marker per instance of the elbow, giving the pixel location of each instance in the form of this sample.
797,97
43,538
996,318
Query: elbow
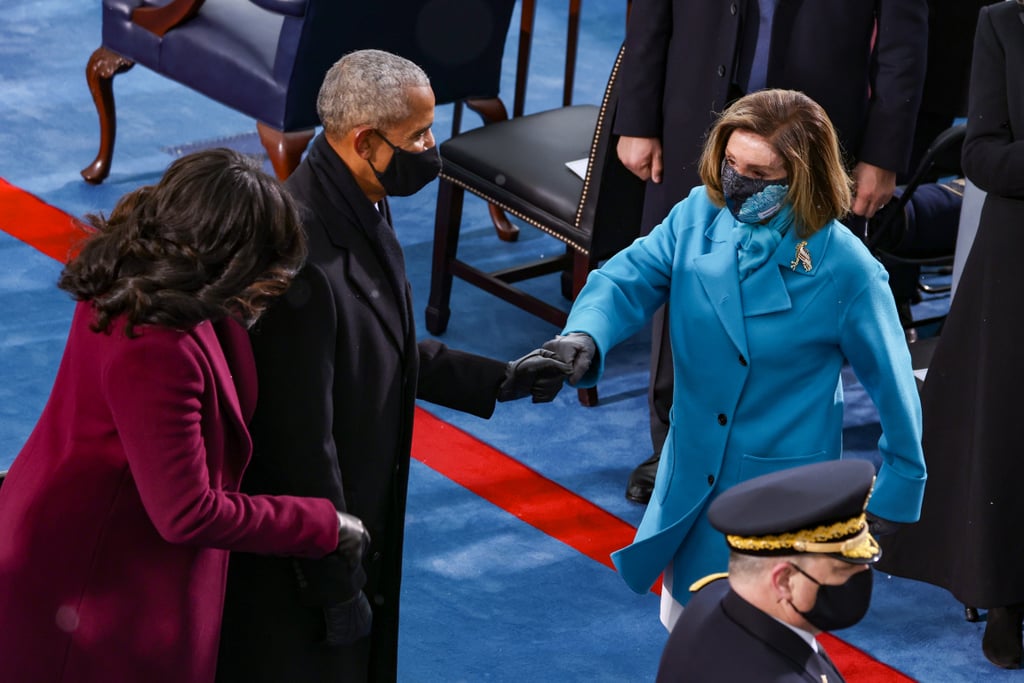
187,524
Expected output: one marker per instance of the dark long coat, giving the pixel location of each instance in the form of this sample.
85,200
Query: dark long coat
968,538
119,512
722,638
339,371
682,55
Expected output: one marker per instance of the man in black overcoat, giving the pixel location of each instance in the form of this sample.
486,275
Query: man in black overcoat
685,60
800,556
339,371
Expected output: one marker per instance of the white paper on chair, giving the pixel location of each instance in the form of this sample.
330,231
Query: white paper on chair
579,167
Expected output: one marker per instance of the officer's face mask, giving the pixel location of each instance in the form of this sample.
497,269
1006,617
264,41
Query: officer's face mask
752,200
838,606
407,172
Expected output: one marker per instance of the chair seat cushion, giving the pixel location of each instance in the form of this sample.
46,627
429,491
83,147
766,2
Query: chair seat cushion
521,162
237,36
241,40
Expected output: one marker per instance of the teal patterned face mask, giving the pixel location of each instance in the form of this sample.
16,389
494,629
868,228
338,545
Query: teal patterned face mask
752,200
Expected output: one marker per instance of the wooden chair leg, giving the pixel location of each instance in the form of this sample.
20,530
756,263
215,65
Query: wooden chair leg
587,397
526,16
582,264
447,222
506,231
284,149
492,109
103,65
571,40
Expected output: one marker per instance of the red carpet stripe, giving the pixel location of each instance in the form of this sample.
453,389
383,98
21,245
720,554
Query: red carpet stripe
38,224
858,666
517,489
464,459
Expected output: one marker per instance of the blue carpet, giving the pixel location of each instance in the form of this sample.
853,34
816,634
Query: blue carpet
486,597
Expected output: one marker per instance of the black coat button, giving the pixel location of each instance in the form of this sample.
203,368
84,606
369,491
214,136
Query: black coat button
722,419
733,9
721,70
743,361
711,480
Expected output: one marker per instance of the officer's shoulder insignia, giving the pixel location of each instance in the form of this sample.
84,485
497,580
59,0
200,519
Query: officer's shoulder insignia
700,583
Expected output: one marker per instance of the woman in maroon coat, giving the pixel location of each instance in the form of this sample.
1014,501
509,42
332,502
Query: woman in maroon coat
118,514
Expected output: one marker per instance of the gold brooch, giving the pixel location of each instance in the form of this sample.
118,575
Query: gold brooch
803,258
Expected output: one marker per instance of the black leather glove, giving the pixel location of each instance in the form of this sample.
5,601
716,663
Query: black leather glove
882,527
353,538
347,622
576,348
539,373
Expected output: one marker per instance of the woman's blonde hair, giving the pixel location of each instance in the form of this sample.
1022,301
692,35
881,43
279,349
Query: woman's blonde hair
801,133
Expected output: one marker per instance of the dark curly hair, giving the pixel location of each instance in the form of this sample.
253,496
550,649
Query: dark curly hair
215,237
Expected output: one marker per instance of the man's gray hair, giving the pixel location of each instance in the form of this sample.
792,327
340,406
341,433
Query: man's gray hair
367,88
746,566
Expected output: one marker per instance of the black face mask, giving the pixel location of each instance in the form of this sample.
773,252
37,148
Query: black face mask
407,172
838,607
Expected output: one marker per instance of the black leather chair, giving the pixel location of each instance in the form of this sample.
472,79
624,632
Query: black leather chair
519,165
918,229
267,58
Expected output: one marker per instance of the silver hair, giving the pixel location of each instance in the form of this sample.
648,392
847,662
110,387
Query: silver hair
367,88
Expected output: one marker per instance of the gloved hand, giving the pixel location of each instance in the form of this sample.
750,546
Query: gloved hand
347,622
353,538
576,348
539,373
882,527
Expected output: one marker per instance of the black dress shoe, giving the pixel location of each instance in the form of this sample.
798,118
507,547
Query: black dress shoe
1002,640
641,480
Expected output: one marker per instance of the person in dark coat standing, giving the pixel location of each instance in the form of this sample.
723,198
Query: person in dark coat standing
968,538
951,26
685,60
119,512
799,564
339,371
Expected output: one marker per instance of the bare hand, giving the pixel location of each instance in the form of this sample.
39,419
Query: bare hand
642,156
873,187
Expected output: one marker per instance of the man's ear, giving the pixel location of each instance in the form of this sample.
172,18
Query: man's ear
361,141
781,576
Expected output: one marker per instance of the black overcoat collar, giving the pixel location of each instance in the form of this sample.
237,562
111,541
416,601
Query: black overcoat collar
375,265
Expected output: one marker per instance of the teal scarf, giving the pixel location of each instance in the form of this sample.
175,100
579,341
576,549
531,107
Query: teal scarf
755,243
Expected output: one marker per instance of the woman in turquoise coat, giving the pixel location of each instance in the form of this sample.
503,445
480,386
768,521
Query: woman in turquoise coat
769,295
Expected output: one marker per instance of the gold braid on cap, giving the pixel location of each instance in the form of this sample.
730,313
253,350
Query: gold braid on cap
817,540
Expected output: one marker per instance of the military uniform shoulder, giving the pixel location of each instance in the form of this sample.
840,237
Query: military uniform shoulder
707,580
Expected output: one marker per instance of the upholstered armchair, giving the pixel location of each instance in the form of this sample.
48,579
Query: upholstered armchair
267,58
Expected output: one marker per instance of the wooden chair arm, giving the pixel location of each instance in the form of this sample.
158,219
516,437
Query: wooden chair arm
160,20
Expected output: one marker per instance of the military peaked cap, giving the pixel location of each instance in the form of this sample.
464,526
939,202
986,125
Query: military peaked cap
817,508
